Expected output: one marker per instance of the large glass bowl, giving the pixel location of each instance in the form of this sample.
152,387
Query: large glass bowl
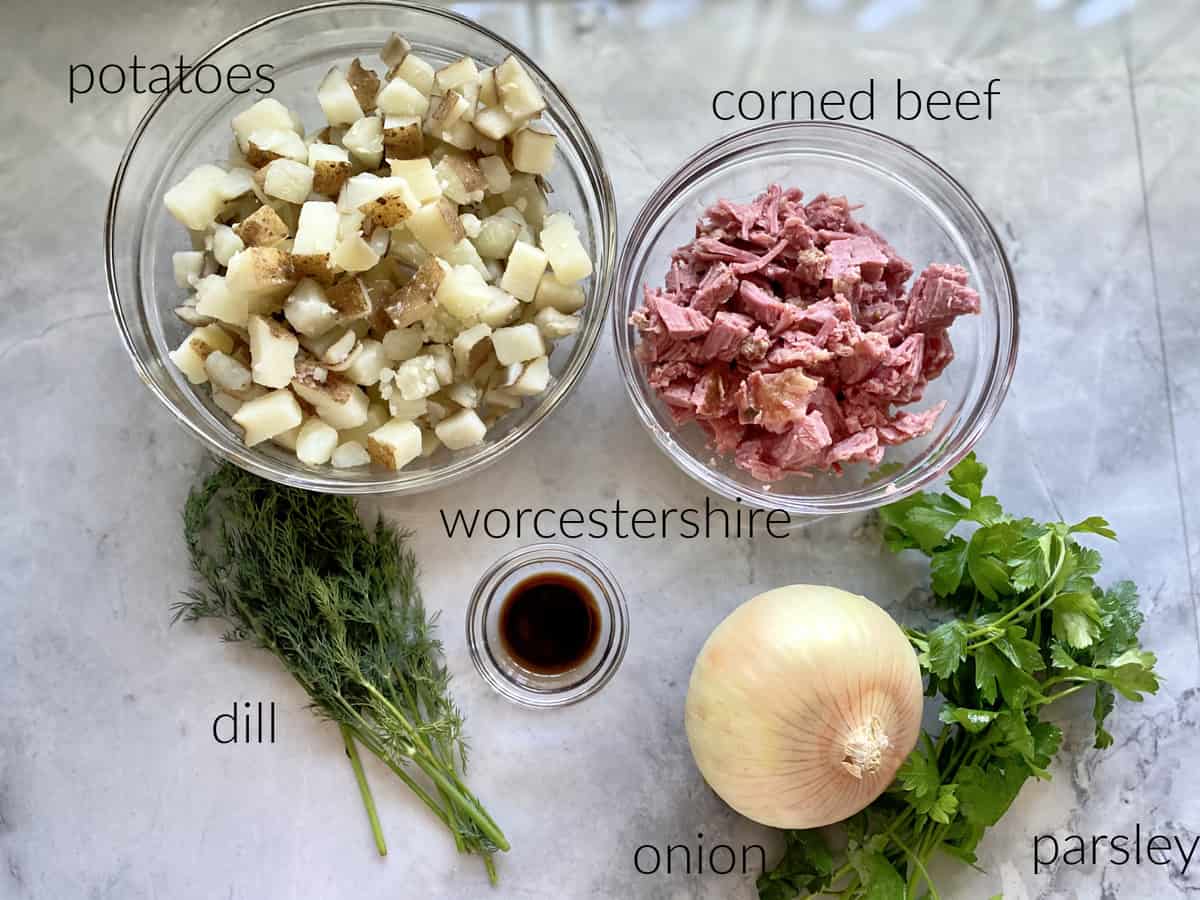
921,210
182,131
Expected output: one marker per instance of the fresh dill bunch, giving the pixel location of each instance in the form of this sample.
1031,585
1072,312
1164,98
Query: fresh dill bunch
337,603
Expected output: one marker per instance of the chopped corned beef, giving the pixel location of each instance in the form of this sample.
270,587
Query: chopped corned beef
785,332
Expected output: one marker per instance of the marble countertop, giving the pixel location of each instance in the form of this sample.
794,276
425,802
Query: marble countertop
111,785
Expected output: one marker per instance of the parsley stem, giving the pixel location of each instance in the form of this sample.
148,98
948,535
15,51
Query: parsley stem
363,788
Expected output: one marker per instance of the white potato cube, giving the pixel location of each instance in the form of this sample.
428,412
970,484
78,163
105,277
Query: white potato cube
518,343
287,439
436,226
354,254
417,378
188,266
469,344
340,403
463,429
316,442
268,416
308,309
471,224
496,237
400,98
195,201
419,175
400,344
566,298
534,380
227,373
463,293
501,309
464,254
266,144
236,183
526,264
364,140
455,75
272,352
518,93
225,243
215,300
443,363
465,394
377,414
533,151
190,355
288,180
395,444
416,72
263,274
493,123
555,325
406,409
564,251
368,364
337,99
350,455
499,179
268,113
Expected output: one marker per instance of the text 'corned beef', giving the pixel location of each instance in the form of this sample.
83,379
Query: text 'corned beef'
785,330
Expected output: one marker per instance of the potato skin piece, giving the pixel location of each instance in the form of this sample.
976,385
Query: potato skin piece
414,302
329,175
262,228
349,297
365,84
387,211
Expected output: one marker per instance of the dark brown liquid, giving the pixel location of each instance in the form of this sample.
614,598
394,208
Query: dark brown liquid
549,623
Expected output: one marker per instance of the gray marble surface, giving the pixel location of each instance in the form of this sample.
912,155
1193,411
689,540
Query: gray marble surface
110,783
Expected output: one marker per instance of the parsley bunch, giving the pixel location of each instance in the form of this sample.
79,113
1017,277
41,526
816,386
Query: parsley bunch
1031,627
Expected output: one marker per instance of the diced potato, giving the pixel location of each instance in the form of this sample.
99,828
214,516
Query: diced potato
419,175
493,123
393,207
429,443
501,309
417,378
468,347
350,455
436,226
533,150
364,140
395,444
353,254
273,351
196,347
518,93
465,394
414,302
268,113
462,179
518,343
262,228
566,298
215,300
497,234
265,417
526,264
349,297
338,100
534,380
443,363
268,144
340,352
365,84
395,49
225,243
463,292
464,254
377,414
227,373
446,111
288,180
316,442
236,183
195,202
488,95
400,98
471,224
331,167
264,275
188,266
496,173
463,429
502,398
403,137
287,439
406,248
526,195
308,309
564,250
455,75
360,189
406,409
400,344
416,72
555,325
370,361
337,401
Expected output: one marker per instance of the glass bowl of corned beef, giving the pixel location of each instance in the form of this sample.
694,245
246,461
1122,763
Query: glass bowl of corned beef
814,317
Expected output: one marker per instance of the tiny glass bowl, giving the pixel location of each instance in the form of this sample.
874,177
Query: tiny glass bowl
921,210
496,664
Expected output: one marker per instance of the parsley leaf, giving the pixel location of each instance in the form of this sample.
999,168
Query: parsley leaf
947,648
807,865
966,478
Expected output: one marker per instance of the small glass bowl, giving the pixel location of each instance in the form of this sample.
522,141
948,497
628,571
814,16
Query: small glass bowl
921,210
181,131
507,676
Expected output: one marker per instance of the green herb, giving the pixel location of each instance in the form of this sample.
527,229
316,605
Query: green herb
1032,627
337,603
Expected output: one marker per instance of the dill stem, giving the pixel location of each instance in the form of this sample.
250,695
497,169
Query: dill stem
363,788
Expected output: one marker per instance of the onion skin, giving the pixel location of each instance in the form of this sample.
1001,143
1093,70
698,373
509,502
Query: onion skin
802,705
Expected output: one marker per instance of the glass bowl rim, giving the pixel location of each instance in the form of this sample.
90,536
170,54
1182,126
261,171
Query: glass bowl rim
1003,354
597,181
484,593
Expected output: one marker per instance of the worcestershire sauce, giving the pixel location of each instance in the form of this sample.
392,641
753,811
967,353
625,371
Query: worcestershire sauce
549,623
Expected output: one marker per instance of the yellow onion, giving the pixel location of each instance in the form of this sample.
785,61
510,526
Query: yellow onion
802,705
